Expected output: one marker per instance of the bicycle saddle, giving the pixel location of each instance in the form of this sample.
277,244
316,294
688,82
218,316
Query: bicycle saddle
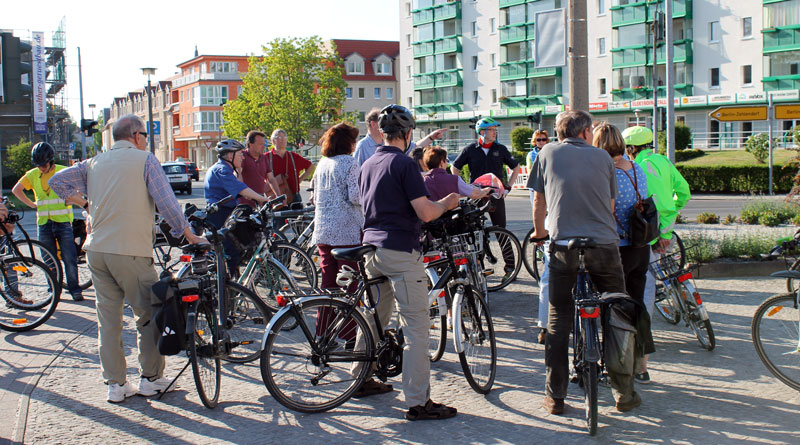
353,253
194,248
581,243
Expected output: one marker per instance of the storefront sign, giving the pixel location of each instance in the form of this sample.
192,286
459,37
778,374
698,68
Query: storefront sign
785,95
620,105
721,99
642,103
751,97
598,106
694,100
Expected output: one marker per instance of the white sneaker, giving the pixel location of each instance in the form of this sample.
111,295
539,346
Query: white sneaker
118,393
149,388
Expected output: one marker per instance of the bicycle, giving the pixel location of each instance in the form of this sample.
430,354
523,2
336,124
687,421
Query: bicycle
499,242
30,290
532,255
226,328
677,298
775,328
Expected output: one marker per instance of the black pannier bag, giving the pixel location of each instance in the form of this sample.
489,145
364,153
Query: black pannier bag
242,230
169,315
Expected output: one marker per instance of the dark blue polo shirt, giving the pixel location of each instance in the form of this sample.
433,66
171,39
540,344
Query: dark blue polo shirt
220,182
480,163
389,181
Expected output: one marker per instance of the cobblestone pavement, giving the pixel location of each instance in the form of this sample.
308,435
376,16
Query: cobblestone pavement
723,396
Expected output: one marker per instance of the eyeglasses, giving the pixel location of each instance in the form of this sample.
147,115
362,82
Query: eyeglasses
141,133
541,139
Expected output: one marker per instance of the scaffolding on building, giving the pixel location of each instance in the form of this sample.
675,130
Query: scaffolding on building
58,120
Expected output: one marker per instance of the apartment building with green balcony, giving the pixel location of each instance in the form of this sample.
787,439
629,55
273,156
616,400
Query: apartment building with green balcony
781,39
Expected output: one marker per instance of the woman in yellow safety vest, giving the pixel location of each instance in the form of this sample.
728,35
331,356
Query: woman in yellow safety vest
53,214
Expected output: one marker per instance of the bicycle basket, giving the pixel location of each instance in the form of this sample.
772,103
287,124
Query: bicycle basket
668,265
243,230
466,243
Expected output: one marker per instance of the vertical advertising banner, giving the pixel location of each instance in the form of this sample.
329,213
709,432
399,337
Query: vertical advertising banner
550,43
38,84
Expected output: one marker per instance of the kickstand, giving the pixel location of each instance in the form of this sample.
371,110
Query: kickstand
188,362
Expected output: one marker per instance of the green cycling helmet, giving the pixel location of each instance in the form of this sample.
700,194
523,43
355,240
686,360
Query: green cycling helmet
484,124
637,136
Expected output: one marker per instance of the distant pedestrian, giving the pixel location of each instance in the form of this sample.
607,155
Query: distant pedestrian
288,166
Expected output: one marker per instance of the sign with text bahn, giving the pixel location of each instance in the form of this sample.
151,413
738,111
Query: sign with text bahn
787,111
735,114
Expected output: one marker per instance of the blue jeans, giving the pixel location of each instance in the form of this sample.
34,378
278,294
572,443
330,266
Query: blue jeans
51,231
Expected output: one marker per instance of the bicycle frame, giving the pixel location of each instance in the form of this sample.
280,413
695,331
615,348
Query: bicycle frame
587,311
446,280
672,288
258,256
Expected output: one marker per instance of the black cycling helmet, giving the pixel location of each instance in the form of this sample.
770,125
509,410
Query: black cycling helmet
395,118
228,146
42,154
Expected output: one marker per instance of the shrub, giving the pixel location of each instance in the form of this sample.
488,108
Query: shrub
794,135
738,179
680,219
750,216
19,158
521,138
784,211
728,220
769,218
700,248
686,155
683,137
707,218
796,219
745,246
758,146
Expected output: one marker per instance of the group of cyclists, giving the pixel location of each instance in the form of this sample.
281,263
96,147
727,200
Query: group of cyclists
577,190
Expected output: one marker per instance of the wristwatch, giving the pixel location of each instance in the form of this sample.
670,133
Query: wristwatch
86,206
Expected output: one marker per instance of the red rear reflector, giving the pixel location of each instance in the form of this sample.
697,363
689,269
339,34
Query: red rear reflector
684,277
441,294
282,300
592,312
428,259
697,298
186,258
190,298
461,261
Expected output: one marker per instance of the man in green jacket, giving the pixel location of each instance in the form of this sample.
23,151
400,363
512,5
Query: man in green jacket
670,192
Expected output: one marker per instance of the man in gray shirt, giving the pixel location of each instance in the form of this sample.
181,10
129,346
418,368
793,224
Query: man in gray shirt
575,186
367,146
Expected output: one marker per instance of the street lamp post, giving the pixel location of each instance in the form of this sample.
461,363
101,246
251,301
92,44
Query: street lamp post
221,107
148,72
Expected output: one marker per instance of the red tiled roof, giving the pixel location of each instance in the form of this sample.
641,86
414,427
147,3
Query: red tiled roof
369,50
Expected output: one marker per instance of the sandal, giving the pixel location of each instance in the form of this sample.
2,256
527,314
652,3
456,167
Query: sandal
430,411
372,387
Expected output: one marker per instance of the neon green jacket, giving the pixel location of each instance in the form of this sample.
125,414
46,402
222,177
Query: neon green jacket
665,184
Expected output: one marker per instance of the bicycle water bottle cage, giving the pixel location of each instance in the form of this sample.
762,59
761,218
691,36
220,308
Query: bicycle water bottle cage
346,276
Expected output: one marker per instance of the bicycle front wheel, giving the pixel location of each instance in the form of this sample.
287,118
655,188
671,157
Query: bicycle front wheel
502,257
532,256
247,318
30,294
268,281
300,265
476,332
589,381
700,326
437,340
84,274
665,303
791,283
38,251
776,335
677,250
203,356
317,374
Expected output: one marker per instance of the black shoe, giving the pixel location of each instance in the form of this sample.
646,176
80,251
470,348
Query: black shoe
553,406
430,411
77,296
642,377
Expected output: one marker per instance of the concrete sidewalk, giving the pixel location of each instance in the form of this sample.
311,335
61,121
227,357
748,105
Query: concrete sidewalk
722,396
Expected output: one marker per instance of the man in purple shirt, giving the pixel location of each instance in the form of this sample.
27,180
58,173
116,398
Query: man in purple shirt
395,200
255,167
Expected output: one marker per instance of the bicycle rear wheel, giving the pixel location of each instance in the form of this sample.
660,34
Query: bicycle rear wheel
502,257
476,332
776,336
677,250
300,265
37,250
437,339
165,255
532,256
589,382
203,356
307,381
268,281
30,294
701,327
247,318
665,303
791,283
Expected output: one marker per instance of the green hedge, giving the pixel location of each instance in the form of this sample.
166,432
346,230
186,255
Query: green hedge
743,179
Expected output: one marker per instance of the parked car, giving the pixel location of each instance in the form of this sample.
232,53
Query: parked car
178,176
193,171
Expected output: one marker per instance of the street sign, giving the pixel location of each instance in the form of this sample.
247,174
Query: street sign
156,127
209,144
735,114
787,111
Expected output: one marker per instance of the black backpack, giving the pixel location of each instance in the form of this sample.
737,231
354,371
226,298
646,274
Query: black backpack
169,314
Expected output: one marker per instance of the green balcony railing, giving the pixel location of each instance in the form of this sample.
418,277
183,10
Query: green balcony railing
424,81
781,39
682,52
544,100
447,11
633,56
681,8
513,34
515,102
448,79
773,83
542,72
421,17
632,93
423,49
448,45
513,71
629,14
504,3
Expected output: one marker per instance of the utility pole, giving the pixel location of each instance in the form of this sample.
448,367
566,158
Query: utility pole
578,60
770,116
670,83
80,86
149,72
656,37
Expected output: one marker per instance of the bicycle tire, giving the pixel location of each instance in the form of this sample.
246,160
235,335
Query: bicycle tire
494,238
665,305
43,253
247,319
531,256
84,273
203,356
165,255
33,281
267,281
437,339
477,332
776,337
790,282
589,382
676,247
289,368
299,264
702,328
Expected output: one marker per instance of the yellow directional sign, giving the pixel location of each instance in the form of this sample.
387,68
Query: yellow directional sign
787,111
733,114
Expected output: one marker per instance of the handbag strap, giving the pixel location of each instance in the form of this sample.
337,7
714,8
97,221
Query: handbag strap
633,180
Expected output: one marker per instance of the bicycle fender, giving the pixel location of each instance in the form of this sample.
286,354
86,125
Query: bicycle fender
458,341
786,274
287,308
592,353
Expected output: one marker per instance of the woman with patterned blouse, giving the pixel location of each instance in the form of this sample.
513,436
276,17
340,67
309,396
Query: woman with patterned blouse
338,220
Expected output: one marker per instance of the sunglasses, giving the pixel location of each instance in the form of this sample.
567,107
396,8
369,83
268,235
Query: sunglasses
541,140
141,133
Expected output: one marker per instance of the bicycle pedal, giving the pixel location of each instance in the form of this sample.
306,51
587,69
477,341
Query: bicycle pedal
487,272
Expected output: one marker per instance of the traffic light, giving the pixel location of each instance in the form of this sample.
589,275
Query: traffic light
536,117
87,126
662,119
16,64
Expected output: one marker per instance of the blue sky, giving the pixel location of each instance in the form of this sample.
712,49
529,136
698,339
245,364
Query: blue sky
119,38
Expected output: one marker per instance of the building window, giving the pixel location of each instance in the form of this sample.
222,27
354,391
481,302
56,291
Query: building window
408,9
474,63
601,7
348,93
747,74
239,91
601,46
474,29
408,39
362,116
222,67
408,71
494,96
390,93
209,95
747,27
492,25
602,86
181,95
714,81
383,69
361,93
206,121
493,59
475,98
377,93
714,32
355,68
410,102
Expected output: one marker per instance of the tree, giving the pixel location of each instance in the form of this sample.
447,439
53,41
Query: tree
19,158
683,137
758,146
521,138
295,85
